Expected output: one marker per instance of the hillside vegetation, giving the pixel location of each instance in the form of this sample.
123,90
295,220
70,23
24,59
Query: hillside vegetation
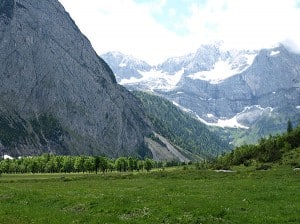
180,128
282,149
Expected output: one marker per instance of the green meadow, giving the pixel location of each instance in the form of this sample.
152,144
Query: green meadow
178,195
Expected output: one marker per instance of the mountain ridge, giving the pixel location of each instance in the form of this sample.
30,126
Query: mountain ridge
217,86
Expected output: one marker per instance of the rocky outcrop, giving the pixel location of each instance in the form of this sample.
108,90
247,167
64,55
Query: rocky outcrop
50,74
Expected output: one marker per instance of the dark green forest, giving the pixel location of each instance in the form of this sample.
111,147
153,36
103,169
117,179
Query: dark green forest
180,128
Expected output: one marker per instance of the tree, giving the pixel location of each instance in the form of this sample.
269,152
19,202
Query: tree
121,164
110,165
97,163
33,166
140,165
102,164
89,164
68,164
79,164
51,166
148,164
289,126
132,164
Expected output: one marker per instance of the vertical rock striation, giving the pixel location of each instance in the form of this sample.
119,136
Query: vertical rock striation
54,82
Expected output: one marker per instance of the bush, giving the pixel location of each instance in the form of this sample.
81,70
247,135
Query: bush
263,167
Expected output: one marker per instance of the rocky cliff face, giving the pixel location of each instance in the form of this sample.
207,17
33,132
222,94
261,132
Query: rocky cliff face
272,80
56,90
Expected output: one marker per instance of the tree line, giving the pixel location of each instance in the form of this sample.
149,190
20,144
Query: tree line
49,163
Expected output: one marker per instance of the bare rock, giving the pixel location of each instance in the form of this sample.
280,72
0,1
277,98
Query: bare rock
50,75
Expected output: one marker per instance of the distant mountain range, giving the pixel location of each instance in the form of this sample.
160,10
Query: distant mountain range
254,91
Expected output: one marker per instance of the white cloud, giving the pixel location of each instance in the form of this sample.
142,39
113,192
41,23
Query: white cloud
124,25
172,12
246,23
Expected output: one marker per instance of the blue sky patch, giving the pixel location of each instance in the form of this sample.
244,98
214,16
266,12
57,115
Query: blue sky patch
172,13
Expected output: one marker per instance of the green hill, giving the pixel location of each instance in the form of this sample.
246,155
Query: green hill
281,149
180,128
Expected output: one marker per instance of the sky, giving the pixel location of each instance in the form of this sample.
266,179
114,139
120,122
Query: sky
154,30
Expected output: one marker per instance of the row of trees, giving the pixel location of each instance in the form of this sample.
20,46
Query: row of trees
49,163
66,164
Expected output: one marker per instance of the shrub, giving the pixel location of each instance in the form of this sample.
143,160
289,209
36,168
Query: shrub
263,167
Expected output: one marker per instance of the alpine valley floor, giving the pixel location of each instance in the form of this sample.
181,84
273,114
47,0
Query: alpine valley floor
173,195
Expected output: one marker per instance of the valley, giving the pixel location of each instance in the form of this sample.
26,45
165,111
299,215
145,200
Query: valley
211,136
161,196
236,188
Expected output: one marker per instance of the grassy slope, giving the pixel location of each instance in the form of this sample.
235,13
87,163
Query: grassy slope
176,196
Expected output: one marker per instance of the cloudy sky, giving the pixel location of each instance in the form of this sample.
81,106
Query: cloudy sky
154,30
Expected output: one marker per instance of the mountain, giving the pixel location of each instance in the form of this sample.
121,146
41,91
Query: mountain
208,59
254,91
191,137
128,67
56,94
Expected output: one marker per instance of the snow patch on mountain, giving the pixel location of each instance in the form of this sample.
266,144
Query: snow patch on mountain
274,53
224,123
183,108
224,69
241,120
122,64
210,115
155,80
250,59
230,123
221,71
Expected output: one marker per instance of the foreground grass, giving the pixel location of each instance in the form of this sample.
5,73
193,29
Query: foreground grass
176,196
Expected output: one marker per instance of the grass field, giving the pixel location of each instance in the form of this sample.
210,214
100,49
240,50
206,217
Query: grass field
170,196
